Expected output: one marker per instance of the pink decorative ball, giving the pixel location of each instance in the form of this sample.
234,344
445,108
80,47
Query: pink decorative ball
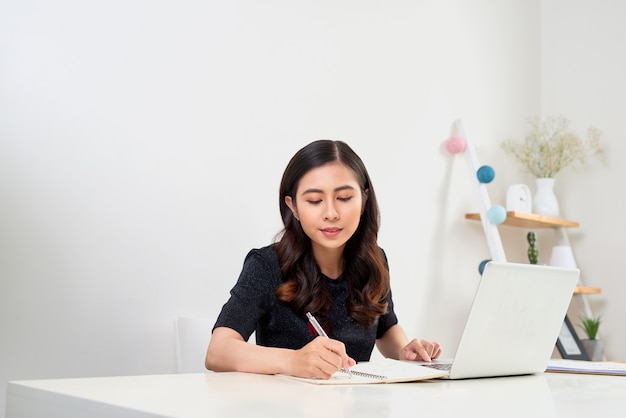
455,144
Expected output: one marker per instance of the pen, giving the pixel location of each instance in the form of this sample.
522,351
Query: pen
320,331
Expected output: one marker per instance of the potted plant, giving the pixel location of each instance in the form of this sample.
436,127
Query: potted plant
548,148
533,254
594,347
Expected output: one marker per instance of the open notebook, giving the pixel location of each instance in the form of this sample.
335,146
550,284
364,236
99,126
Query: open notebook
378,371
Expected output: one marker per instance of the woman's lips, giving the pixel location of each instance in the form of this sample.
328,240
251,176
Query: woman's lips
331,232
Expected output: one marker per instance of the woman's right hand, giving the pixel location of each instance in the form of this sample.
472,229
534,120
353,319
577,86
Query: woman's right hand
321,358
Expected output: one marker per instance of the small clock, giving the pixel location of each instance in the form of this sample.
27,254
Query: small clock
518,198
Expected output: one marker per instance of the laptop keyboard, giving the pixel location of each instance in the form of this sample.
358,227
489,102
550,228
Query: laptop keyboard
438,366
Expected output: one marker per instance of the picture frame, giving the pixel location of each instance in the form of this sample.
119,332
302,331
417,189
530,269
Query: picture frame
569,344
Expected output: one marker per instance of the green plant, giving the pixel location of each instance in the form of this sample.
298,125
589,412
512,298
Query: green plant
550,147
532,249
590,325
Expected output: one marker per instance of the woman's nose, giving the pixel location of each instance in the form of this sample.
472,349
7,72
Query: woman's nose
331,213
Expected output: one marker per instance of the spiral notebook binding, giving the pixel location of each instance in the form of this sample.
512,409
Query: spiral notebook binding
365,375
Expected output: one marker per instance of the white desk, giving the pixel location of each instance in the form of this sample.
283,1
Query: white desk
249,395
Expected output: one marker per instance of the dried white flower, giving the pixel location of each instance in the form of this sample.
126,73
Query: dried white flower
550,147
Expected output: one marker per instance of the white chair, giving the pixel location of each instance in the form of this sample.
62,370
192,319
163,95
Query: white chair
192,339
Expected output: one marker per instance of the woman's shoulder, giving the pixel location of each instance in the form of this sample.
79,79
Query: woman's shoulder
383,253
264,259
267,253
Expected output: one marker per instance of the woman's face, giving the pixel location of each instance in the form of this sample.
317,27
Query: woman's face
328,204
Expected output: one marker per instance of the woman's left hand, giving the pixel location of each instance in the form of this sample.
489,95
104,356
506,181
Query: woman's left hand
420,350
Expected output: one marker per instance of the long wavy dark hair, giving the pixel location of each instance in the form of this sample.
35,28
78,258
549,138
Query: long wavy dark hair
365,266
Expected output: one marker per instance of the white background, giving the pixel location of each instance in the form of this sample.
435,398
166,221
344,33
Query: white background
142,143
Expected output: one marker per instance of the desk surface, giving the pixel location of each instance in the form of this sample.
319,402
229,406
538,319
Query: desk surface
241,395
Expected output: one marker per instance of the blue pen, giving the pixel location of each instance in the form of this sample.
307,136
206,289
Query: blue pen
320,331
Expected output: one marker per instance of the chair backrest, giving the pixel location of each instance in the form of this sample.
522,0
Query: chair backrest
192,339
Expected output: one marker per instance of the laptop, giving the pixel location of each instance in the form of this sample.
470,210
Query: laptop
514,321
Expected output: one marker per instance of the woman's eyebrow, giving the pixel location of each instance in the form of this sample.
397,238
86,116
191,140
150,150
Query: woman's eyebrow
337,189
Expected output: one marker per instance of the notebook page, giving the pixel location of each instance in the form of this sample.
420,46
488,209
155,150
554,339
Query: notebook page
379,371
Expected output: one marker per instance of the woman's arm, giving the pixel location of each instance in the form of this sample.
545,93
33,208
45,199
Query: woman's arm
320,358
395,344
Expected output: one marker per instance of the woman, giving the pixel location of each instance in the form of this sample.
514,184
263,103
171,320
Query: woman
327,262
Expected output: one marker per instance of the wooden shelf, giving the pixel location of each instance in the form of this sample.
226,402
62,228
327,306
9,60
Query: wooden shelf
529,220
587,290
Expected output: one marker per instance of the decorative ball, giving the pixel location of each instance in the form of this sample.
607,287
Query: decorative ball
485,174
481,266
496,214
455,144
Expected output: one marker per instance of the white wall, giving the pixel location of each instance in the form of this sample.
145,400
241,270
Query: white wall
583,67
142,142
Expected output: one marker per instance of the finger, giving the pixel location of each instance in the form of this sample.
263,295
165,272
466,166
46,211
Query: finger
424,354
433,349
411,355
326,363
340,358
437,352
334,353
425,350
328,360
349,362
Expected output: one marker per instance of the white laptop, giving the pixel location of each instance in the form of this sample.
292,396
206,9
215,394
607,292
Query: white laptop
514,321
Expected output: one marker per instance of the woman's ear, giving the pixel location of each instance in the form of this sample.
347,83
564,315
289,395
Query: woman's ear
291,205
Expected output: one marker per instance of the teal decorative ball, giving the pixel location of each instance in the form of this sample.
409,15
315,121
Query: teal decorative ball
496,214
485,174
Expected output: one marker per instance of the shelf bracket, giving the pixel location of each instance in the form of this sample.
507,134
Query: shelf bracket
491,230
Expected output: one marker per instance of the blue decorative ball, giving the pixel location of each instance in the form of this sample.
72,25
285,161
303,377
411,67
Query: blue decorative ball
485,174
481,266
496,214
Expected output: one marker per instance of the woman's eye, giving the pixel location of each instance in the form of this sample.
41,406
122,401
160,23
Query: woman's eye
314,202
344,199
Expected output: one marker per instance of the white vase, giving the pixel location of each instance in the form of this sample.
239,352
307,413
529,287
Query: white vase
562,256
594,349
545,202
